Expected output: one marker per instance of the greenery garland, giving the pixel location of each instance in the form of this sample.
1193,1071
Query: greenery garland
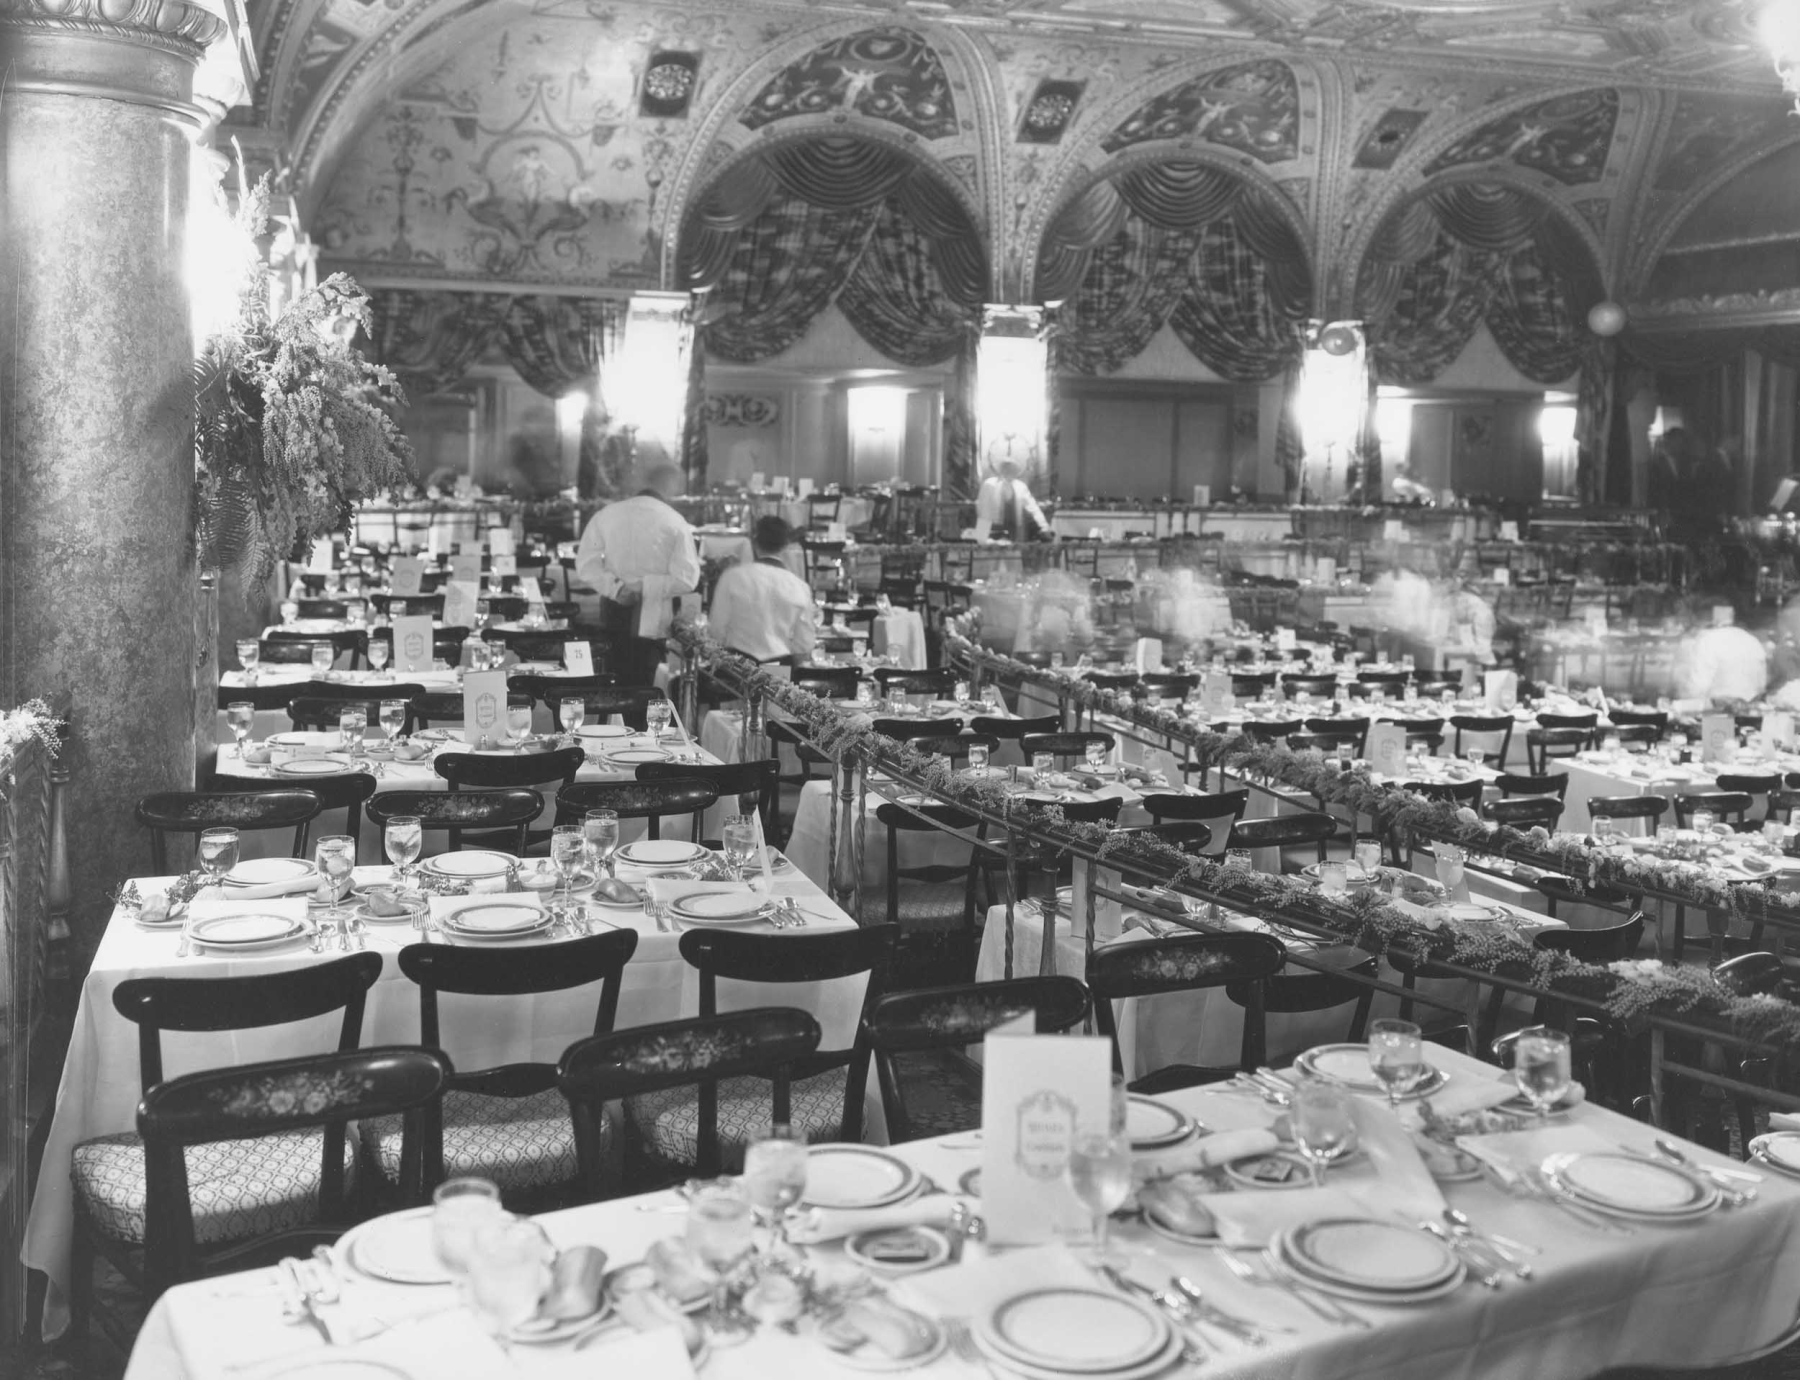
1632,992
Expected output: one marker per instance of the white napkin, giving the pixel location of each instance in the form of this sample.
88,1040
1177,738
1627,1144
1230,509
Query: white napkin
815,1225
666,889
209,904
1784,1121
299,886
1463,1095
1222,1147
1255,1218
1403,1184
762,857
1511,1152
975,1287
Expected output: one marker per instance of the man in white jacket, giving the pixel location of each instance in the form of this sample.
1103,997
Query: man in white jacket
641,555
763,609
1005,509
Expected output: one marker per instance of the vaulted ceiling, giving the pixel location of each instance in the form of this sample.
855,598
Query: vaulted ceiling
558,143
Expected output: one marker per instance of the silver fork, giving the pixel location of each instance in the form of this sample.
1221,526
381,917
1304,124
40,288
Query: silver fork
1265,1276
184,946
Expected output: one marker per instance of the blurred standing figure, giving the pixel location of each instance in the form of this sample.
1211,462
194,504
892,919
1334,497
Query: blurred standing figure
763,609
1721,664
1005,509
641,555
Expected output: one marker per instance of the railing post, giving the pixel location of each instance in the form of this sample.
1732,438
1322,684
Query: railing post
56,880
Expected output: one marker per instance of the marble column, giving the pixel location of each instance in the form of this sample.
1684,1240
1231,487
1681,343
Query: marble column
97,577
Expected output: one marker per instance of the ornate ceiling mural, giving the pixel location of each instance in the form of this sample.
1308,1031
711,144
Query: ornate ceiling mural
1567,138
885,74
1253,107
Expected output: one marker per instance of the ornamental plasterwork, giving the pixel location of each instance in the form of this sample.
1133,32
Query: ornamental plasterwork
170,24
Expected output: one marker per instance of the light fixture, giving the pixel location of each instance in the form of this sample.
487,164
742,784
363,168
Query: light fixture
1011,387
1334,395
1780,26
645,387
570,409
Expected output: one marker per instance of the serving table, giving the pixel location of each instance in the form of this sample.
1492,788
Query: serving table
1692,1295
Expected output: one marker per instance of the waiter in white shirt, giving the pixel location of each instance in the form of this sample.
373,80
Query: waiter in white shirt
1005,509
641,555
763,609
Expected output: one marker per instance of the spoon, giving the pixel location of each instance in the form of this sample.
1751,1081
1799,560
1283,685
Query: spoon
1673,1152
1479,1261
1504,1246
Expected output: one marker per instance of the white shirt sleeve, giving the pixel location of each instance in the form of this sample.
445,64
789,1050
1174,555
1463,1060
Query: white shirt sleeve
683,556
987,509
805,633
590,560
1029,505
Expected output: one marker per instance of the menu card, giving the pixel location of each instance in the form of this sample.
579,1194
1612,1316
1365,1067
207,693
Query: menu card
1387,749
484,707
459,603
500,542
1502,575
578,658
1284,639
1037,1093
412,644
804,487
1509,530
1215,693
1718,737
466,567
408,577
1501,689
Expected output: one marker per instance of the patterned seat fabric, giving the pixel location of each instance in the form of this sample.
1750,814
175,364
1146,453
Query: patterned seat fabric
518,1142
669,1121
237,1188
923,906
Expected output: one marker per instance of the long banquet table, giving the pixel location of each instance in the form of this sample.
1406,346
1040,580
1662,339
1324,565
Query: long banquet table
101,1086
1692,1295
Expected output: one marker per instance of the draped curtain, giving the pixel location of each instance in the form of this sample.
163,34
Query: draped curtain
430,338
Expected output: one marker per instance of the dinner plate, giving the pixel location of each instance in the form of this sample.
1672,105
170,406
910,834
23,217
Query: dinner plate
502,919
245,931
293,738
269,871
856,1176
1780,1150
1363,1253
1348,1066
314,766
1472,912
1151,1124
539,1331
1076,1331
1271,1169
970,1183
1283,1269
605,731
719,908
1574,1097
363,910
1163,1229
327,1367
660,853
1627,1186
898,1250
472,864
629,756
396,1247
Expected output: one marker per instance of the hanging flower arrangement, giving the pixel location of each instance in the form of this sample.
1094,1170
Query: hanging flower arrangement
293,426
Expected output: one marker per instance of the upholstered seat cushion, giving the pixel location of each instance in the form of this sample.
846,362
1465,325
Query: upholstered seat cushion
518,1142
923,906
237,1188
669,1121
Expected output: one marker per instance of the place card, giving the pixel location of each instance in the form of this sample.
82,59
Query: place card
408,577
321,555
466,567
1215,693
459,603
1718,738
758,481
1502,576
1778,730
534,596
502,564
1509,530
1149,654
578,658
1326,570
1037,1093
803,488
835,531
500,542
1203,495
484,707
412,644
1393,530
1387,749
1501,689
1284,639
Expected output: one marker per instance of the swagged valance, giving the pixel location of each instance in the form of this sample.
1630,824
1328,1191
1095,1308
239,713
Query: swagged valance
1473,252
1186,243
789,230
430,337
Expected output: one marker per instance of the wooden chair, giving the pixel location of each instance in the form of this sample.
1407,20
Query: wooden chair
940,682
1355,730
1179,963
507,1124
247,1188
1525,812
949,1019
1728,807
503,815
191,812
1449,792
323,608
903,730
828,682
1275,732
351,642
1167,685
288,649
1248,685
1599,1045
1325,687
1484,726
599,701
955,746
1284,831
545,646
764,1042
650,801
348,791
438,708
1391,683
1294,992
1013,730
734,781
1067,748
827,1086
1219,812
1543,745
530,769
1638,718
1753,784
1554,783
931,905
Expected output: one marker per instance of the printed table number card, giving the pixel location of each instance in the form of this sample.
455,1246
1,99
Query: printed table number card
1284,639
1149,654
500,542
459,603
1215,693
321,557
1778,730
1387,749
465,568
409,577
1037,1093
1718,738
502,563
484,707
1501,690
578,658
412,644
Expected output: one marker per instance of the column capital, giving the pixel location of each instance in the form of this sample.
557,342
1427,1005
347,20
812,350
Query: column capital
173,25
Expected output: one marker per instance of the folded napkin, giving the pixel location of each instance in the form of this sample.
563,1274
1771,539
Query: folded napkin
246,901
1402,1183
1461,1096
1784,1121
299,886
1510,1153
1256,1218
666,889
1222,1147
814,1225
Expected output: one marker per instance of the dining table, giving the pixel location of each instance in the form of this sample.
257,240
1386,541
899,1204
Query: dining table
1279,1280
101,1085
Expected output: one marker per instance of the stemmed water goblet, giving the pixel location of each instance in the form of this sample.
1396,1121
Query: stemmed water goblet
218,853
721,1231
1323,1123
1541,1065
568,847
240,715
1095,753
507,1271
403,838
657,716
352,724
378,655
573,712
600,828
323,654
1100,1173
978,759
739,837
249,652
518,723
393,718
335,857
1450,866
1396,1056
774,1179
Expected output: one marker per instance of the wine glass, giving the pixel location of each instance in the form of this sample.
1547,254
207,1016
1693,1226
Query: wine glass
378,654
240,715
600,828
1368,856
518,722
1450,860
507,1271
1396,1056
1323,1127
657,716
573,712
978,758
323,654
774,1179
865,692
721,1232
1095,753
1334,878
393,718
1541,1066
218,851
460,1208
249,652
1100,1174
739,836
568,846
403,839
336,859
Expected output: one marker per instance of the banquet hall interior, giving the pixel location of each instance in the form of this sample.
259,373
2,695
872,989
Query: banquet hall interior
602,599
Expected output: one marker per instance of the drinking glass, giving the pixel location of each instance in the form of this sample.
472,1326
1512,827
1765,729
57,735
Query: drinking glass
290,612
1541,1066
859,645
460,1208
600,828
865,692
774,1179
1396,1056
572,712
1450,860
990,696
378,654
249,652
721,1232
1095,753
352,724
568,846
241,716
218,851
1475,756
1368,856
739,836
403,839
1602,826
1100,1174
336,859
657,716
323,654
483,605
1322,1122
393,718
1334,878
1665,833
1042,765
960,692
507,1271
1702,821
480,654
978,758
518,722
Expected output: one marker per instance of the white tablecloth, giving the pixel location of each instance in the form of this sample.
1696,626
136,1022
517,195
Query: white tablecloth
1679,1297
899,635
101,1085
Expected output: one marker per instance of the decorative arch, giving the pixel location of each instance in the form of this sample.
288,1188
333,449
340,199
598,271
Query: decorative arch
890,73
1566,137
1250,107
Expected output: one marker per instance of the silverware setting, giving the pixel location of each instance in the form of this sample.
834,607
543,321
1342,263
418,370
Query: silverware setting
1669,1150
1253,1333
1482,1265
1512,1252
1255,1267
1732,1195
